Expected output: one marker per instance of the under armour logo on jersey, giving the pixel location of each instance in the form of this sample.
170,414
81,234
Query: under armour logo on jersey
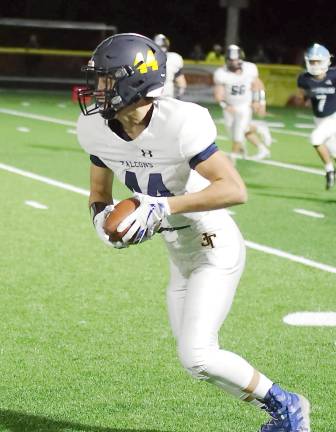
207,240
146,153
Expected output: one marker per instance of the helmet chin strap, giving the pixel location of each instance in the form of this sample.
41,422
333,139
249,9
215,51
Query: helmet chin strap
108,113
115,104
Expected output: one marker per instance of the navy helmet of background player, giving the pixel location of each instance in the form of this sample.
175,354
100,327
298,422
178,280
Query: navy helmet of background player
126,70
319,85
164,150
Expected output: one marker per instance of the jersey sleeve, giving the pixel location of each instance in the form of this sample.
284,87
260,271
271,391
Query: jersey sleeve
96,161
332,73
253,70
197,137
301,82
179,61
218,77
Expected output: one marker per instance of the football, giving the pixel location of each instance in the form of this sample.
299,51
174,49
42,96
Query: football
121,210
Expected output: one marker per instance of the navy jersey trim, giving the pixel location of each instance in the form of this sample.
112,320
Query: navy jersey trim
204,155
98,162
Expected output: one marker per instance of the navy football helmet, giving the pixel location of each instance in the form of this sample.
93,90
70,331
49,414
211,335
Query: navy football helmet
317,59
234,57
123,69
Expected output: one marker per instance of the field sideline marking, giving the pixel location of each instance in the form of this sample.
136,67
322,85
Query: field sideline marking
251,245
36,204
43,179
291,257
282,165
274,129
266,162
37,117
308,213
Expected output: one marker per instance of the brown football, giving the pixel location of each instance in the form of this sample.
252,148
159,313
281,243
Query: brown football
121,210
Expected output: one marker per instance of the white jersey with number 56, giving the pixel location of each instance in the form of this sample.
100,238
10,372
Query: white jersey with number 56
237,84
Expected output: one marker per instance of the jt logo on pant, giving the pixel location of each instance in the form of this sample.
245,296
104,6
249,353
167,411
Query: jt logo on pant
207,240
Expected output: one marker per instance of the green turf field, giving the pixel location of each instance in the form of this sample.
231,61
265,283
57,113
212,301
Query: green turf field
85,341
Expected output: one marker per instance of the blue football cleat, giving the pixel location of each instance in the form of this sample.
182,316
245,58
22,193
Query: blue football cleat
289,411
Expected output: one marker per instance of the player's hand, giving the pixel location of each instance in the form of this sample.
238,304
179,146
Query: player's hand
146,220
259,108
98,223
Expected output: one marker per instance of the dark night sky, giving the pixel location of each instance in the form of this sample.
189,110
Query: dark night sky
286,26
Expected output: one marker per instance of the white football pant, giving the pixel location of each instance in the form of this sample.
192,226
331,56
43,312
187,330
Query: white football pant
237,123
325,128
199,295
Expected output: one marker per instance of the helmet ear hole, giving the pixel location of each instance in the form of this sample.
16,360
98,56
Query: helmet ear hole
137,84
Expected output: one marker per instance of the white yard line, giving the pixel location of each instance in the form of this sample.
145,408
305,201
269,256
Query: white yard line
291,257
282,165
252,245
288,132
304,125
309,213
277,130
37,117
223,137
43,179
311,319
304,116
36,204
274,124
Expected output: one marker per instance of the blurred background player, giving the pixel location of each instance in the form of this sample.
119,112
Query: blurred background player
175,76
239,90
319,85
215,55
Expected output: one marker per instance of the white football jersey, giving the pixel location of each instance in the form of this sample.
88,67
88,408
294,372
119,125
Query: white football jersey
174,65
237,85
158,162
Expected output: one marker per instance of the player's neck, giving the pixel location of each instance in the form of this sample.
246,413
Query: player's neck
135,118
320,77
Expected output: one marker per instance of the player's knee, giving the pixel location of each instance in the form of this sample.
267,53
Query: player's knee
316,139
194,360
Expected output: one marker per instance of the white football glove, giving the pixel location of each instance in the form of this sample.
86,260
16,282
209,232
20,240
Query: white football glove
146,219
99,221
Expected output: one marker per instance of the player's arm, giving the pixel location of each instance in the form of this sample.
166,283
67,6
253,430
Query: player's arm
101,180
226,187
101,201
181,84
302,95
219,93
258,97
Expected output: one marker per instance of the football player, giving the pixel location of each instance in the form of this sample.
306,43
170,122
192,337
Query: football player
174,72
239,91
164,151
319,84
